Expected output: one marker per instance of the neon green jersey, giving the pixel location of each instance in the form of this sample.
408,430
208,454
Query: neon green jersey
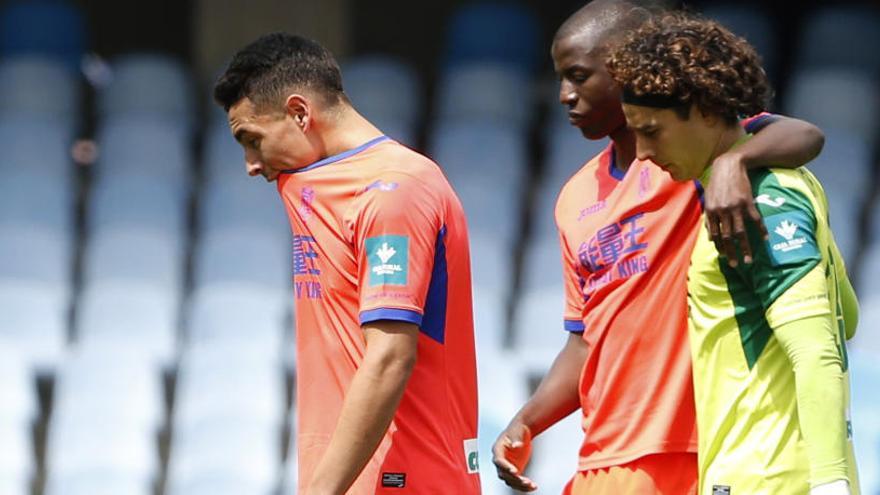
759,433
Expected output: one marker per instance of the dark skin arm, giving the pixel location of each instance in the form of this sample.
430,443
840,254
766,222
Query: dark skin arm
556,397
785,142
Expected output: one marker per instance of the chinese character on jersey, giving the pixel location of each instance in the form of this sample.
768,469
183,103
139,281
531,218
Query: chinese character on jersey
304,256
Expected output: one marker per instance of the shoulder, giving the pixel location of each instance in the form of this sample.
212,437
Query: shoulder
777,190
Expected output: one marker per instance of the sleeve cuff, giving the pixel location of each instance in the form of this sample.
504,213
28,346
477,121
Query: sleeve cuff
761,121
396,314
576,326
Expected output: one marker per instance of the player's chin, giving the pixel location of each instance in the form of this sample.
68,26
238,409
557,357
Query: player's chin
594,134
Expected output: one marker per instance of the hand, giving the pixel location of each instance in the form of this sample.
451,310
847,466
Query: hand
728,199
511,454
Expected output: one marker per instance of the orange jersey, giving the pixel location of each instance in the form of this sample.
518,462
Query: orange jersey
379,234
626,242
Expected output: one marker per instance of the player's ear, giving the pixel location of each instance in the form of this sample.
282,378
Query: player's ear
299,109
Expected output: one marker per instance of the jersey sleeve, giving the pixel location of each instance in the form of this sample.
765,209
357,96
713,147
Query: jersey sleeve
397,234
784,260
757,122
573,320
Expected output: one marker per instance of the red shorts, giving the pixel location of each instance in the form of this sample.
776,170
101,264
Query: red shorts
661,474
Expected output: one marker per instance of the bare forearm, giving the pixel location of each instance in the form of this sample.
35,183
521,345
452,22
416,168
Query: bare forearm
557,396
787,143
367,411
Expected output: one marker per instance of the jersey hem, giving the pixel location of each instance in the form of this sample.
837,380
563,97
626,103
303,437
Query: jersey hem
617,460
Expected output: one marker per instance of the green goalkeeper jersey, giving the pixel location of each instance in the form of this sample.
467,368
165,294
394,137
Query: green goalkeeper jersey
768,347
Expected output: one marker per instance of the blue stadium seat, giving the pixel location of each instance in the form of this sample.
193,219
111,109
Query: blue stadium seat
162,84
494,32
134,316
145,146
832,36
241,381
223,157
36,86
17,465
837,100
241,202
234,446
47,27
869,277
487,166
539,334
33,321
384,89
29,200
126,202
135,255
237,315
99,482
247,256
485,91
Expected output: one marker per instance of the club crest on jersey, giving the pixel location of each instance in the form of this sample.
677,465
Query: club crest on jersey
388,259
307,196
790,237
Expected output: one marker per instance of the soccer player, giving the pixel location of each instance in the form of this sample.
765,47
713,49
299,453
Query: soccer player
626,231
767,337
386,375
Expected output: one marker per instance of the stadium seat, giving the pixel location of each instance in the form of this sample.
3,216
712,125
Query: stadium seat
237,315
491,263
542,264
29,201
539,334
147,202
869,274
245,382
162,84
831,35
47,27
221,483
33,321
19,407
487,166
247,449
839,101
77,447
39,87
486,92
138,317
223,156
241,202
99,482
494,32
105,384
151,145
131,254
244,256
752,23
17,458
383,89
490,320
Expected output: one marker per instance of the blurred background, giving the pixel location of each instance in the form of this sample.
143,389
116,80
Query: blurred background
146,339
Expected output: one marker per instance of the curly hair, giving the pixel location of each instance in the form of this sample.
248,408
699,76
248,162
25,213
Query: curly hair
272,64
686,59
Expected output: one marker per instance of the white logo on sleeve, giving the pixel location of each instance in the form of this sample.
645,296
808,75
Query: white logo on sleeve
385,252
766,200
786,229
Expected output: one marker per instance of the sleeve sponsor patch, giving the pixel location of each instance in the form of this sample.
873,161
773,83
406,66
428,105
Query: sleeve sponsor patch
387,259
792,239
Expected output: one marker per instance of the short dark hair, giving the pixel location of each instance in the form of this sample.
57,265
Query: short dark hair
692,60
274,63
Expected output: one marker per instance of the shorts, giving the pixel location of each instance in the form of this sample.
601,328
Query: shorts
661,474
